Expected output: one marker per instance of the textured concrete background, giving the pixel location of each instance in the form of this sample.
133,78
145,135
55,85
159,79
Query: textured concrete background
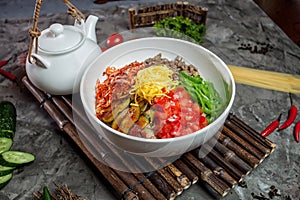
230,24
21,8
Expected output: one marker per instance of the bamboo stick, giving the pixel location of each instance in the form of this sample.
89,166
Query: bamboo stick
63,107
141,177
166,175
206,174
186,170
147,16
113,159
162,185
131,179
72,133
253,133
245,136
232,158
250,148
107,172
119,186
136,167
232,170
170,179
75,110
181,178
219,171
242,153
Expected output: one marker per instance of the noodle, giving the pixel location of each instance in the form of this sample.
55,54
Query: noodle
154,81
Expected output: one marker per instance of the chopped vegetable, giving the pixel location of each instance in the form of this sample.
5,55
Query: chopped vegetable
204,93
177,115
156,101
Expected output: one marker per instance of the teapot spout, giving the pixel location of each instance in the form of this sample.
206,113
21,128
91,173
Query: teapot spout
90,27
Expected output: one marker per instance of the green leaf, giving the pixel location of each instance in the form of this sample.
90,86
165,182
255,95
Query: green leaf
181,28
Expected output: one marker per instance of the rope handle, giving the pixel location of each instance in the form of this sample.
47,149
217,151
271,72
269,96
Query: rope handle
35,32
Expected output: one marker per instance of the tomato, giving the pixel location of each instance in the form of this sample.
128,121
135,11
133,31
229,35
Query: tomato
114,39
177,114
103,49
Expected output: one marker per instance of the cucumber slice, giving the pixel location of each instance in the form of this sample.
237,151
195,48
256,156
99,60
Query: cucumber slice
4,170
5,179
8,117
5,144
7,133
16,158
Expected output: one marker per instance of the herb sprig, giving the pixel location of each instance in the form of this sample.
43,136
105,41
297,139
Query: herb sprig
181,28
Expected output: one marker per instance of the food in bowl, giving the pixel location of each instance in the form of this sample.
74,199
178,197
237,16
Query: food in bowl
210,67
157,98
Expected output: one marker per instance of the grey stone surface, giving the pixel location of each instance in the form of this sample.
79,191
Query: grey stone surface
230,24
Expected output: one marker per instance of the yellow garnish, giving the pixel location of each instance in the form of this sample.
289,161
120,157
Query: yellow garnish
151,81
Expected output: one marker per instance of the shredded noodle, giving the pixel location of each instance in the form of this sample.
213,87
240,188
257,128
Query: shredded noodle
154,81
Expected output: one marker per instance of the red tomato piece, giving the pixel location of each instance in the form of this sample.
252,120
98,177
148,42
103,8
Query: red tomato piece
114,39
177,114
103,49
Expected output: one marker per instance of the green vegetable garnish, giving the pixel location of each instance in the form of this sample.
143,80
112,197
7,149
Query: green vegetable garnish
204,93
181,28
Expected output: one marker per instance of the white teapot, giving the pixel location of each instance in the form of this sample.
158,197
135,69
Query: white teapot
64,51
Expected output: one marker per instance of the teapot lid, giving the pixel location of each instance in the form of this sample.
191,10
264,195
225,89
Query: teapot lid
60,39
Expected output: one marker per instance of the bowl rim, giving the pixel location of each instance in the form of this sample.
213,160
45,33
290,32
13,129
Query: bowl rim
163,140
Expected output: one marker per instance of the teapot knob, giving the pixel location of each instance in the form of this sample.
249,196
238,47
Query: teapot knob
56,29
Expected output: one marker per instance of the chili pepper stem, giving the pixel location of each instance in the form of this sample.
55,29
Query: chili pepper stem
297,131
291,99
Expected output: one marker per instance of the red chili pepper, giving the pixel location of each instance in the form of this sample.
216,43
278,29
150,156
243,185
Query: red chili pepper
271,127
292,115
8,75
291,118
3,62
297,131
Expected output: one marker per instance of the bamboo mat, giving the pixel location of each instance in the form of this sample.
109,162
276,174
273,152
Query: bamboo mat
231,155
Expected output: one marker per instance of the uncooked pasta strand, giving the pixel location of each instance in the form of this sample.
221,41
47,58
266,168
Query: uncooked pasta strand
266,79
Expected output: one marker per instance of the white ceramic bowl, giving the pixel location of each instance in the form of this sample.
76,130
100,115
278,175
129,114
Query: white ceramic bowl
210,66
